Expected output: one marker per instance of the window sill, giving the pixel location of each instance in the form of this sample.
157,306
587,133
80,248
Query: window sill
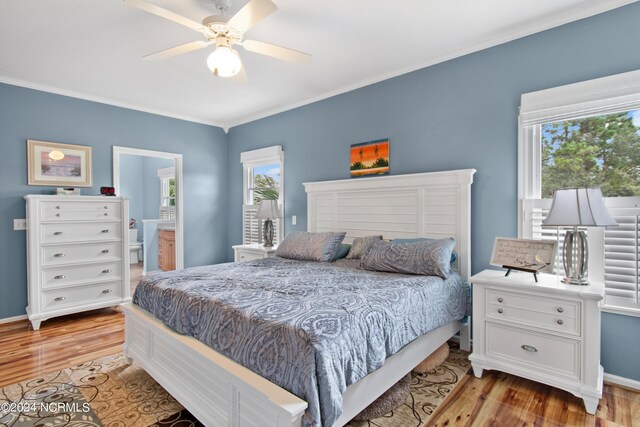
624,311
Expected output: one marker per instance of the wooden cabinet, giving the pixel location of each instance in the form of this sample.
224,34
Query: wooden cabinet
166,250
77,254
547,331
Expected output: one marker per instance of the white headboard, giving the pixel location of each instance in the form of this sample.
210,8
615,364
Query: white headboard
433,204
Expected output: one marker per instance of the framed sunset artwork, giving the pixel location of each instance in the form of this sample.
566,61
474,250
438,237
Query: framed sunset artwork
370,158
59,165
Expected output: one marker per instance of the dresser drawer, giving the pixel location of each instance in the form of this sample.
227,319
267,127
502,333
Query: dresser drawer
64,254
65,275
59,211
81,295
535,351
62,233
548,313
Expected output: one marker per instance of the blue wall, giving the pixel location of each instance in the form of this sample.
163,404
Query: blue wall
458,114
132,186
29,114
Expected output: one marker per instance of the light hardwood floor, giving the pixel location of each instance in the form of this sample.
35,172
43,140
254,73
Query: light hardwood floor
497,399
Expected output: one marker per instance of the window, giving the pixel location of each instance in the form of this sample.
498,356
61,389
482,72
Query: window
262,180
167,178
587,134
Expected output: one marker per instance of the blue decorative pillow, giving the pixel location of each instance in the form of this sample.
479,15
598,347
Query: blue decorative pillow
305,246
429,257
361,245
343,251
454,254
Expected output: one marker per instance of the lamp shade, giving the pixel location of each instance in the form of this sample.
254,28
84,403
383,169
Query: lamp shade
269,209
579,207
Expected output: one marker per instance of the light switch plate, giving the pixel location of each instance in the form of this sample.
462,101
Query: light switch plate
19,224
294,220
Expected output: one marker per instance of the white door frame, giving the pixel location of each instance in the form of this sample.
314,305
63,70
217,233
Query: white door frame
177,158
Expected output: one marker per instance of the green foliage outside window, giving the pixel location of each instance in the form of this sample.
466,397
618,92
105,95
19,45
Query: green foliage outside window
601,151
264,188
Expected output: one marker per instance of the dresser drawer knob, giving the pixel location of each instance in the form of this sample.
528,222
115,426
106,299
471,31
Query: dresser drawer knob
500,300
107,270
57,207
60,276
59,255
106,251
560,309
57,233
60,299
106,207
106,231
530,348
106,214
107,291
500,310
57,214
559,322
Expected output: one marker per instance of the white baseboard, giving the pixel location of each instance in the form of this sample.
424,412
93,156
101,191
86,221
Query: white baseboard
13,319
625,382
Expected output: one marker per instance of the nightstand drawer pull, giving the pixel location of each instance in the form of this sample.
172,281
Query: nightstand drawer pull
107,291
500,300
60,299
106,231
61,276
500,310
57,233
106,251
530,348
105,271
560,309
58,255
559,322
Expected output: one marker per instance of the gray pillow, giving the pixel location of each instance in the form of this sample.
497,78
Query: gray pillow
454,255
361,245
430,258
305,246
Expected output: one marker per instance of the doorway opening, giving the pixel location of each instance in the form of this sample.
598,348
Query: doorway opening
152,180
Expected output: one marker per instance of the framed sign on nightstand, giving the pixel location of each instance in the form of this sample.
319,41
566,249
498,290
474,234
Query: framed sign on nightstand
533,256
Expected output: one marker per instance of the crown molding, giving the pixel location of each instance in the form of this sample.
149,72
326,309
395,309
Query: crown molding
102,100
495,40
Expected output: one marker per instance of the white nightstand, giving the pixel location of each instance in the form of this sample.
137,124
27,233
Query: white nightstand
548,331
252,251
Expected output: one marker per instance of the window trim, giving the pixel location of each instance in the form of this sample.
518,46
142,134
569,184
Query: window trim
261,157
607,95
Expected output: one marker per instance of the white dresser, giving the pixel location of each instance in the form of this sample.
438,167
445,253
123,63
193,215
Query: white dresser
547,331
77,254
252,251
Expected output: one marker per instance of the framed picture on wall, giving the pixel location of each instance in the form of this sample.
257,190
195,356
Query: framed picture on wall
370,158
58,165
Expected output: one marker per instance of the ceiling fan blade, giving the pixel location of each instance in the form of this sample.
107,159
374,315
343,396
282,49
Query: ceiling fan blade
177,50
166,14
252,13
277,51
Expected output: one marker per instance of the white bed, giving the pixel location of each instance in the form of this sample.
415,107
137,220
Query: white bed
221,392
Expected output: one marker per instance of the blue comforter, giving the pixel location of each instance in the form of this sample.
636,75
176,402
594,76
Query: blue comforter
312,328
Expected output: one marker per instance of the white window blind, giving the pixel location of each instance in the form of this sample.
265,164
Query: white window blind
621,248
253,227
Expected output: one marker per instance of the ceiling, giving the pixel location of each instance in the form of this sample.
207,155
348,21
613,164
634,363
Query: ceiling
93,49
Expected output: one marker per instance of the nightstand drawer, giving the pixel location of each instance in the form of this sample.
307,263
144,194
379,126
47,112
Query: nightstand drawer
534,351
248,256
552,314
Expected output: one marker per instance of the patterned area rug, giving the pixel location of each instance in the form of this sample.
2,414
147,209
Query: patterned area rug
109,392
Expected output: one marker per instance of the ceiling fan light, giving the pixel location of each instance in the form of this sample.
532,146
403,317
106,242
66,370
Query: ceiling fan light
224,62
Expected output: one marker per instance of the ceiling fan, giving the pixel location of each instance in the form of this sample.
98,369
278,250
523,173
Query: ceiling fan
224,33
